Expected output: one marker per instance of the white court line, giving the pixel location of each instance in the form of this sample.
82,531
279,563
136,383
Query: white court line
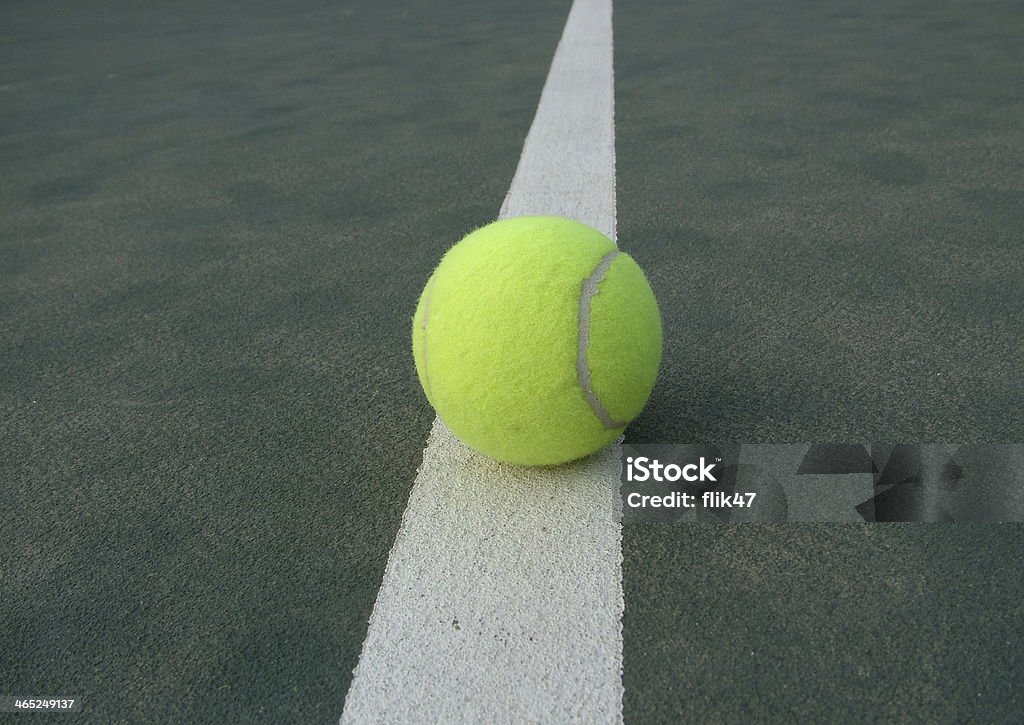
502,597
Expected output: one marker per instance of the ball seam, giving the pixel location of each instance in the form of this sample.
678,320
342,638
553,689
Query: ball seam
427,294
590,285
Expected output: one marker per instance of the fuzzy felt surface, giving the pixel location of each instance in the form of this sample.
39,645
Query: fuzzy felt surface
496,340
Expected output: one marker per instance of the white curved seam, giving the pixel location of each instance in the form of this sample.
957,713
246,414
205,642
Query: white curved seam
426,313
583,342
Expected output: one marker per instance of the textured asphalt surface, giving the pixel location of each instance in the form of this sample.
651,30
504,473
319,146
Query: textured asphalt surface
214,225
827,199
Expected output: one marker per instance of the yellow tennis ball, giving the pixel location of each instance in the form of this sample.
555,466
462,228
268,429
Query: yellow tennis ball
536,340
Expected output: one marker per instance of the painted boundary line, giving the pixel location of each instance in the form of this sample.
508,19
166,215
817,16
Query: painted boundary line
502,597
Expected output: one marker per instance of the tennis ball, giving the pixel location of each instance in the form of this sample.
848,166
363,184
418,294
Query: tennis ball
536,340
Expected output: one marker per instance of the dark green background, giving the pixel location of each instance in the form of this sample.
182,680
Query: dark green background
828,200
215,222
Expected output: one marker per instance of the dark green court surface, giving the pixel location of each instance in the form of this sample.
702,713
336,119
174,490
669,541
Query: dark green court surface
215,223
828,200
